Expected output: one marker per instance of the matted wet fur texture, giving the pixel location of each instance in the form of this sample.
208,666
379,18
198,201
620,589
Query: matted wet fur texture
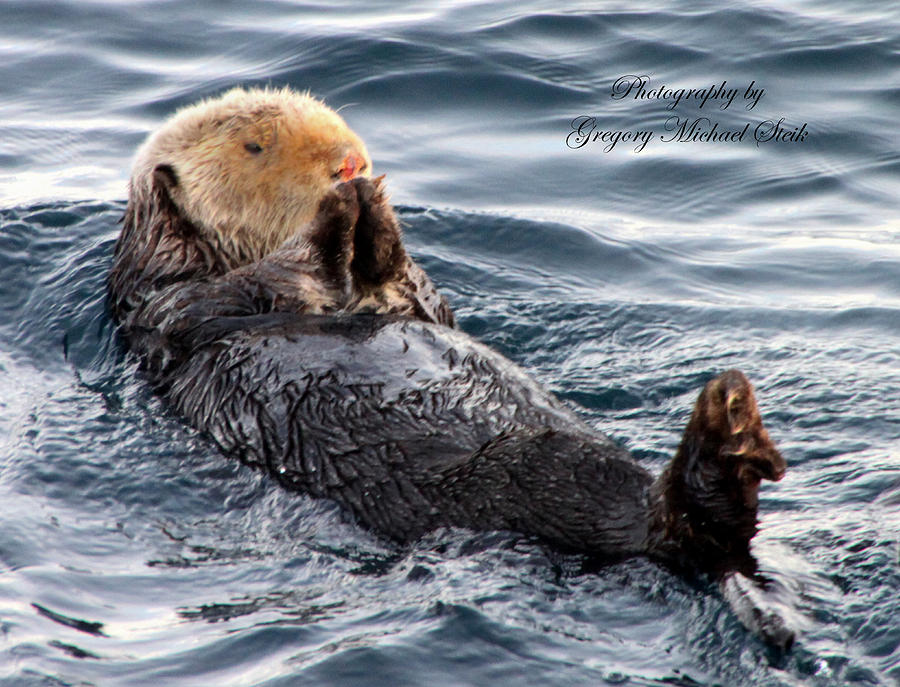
331,361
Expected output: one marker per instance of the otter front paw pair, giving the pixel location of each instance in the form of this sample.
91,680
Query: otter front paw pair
357,237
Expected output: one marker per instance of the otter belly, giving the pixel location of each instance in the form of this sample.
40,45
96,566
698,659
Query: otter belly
410,425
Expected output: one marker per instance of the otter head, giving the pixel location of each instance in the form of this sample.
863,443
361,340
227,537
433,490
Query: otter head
250,167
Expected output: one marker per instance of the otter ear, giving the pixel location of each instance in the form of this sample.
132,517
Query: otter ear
165,179
166,189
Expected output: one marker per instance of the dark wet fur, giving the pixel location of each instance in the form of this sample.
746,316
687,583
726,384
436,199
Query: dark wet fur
409,423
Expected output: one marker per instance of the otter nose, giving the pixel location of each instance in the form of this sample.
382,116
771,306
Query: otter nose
350,165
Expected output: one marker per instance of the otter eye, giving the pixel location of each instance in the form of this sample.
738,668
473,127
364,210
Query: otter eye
253,148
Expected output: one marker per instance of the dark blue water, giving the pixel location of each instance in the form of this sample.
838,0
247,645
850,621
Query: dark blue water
132,553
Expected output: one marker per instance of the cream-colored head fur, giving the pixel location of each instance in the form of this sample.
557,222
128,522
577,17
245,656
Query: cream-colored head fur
251,165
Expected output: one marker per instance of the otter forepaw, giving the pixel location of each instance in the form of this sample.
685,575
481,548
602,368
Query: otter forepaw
341,203
379,255
370,191
332,233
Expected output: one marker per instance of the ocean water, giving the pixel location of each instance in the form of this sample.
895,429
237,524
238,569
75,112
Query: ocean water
132,553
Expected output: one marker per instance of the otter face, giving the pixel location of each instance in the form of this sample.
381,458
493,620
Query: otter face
251,166
729,414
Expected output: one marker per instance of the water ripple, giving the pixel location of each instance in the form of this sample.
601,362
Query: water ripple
622,280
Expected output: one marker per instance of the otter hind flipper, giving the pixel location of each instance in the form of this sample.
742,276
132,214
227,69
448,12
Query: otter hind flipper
705,502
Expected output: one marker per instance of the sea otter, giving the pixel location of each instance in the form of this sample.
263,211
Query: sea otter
238,193
261,278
